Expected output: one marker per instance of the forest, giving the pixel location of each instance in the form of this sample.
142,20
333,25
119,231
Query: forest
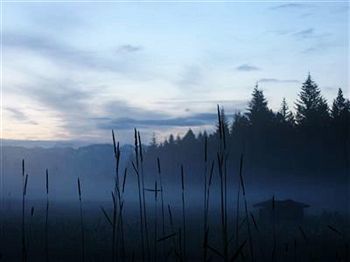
311,143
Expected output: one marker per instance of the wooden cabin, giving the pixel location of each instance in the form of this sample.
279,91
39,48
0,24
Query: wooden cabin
281,210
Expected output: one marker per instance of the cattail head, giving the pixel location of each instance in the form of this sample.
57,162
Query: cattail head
136,148
182,178
241,175
114,144
158,165
47,182
219,120
205,148
140,146
25,185
211,173
23,168
79,189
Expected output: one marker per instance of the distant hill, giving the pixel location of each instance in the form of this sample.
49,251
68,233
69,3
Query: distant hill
93,163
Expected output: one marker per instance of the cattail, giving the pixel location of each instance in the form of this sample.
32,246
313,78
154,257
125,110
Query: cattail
205,199
161,195
81,224
24,190
155,220
114,219
161,198
144,196
47,217
140,207
183,212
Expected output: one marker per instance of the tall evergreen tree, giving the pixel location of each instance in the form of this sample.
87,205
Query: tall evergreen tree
312,108
284,114
258,111
340,107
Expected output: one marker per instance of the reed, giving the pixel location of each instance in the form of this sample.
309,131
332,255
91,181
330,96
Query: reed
140,206
24,191
81,223
114,222
183,212
155,221
205,217
161,195
47,217
222,159
142,174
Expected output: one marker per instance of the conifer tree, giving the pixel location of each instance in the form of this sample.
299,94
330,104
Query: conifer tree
312,108
258,111
340,107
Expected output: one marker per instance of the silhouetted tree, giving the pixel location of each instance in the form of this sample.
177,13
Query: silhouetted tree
284,115
171,139
340,108
153,143
240,123
258,111
189,137
312,108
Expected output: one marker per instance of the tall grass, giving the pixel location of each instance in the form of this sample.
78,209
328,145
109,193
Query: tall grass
148,248
47,217
183,213
81,223
24,192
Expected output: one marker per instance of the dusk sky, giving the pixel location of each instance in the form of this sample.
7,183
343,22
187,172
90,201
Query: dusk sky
74,71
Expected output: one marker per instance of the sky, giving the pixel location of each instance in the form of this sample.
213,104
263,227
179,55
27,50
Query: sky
74,71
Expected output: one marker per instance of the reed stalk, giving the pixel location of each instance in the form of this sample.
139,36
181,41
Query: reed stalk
81,223
47,217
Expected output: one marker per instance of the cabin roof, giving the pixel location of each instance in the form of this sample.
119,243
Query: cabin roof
281,203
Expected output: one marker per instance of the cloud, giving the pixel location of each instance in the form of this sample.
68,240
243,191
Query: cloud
294,6
129,123
128,48
64,53
306,33
275,80
310,33
247,68
19,115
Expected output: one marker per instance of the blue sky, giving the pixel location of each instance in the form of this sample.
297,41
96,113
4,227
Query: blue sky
74,71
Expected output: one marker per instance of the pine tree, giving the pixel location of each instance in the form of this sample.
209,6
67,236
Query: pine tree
171,139
340,107
258,111
312,108
153,143
285,115
240,122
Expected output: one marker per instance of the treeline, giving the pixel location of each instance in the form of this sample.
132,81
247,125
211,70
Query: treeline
311,143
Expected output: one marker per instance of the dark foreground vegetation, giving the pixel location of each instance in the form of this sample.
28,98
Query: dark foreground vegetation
189,199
